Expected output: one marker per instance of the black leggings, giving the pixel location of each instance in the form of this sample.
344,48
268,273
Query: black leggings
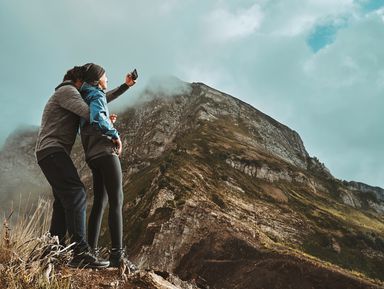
107,185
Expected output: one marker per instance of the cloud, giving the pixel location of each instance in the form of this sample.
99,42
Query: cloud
295,17
332,98
166,85
224,25
348,77
259,51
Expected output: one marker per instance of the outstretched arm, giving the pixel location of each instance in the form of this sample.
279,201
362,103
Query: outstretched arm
115,93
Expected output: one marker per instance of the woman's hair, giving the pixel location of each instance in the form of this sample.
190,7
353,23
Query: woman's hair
74,74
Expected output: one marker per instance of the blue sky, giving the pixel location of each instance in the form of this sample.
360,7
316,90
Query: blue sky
314,65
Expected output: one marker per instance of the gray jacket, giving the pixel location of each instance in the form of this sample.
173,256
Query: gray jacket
61,117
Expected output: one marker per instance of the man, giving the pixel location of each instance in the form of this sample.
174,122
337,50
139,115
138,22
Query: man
57,134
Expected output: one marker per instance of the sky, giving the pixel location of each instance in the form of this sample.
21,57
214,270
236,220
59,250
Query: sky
316,66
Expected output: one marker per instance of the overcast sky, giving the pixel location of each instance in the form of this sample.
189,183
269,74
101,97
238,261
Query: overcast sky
314,65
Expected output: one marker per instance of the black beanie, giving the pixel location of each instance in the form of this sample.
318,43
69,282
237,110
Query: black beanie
92,72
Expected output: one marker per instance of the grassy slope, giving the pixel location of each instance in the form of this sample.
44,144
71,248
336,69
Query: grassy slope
328,224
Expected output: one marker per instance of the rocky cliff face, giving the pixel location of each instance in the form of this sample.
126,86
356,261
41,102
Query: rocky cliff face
225,196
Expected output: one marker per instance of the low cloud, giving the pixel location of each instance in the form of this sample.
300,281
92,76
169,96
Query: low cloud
167,86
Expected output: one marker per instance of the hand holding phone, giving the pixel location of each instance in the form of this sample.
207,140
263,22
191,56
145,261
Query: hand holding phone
134,74
131,77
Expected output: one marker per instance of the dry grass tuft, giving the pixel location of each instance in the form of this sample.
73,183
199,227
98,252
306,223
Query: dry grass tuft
29,256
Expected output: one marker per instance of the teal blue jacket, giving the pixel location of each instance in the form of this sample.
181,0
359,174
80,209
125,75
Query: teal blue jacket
99,114
96,134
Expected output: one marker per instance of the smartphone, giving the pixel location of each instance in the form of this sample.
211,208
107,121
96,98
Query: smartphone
134,74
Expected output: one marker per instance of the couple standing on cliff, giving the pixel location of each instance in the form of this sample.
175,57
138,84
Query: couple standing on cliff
80,102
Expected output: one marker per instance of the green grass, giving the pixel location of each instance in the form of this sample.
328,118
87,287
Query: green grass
325,213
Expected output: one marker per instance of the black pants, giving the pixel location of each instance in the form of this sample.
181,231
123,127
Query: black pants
69,199
107,186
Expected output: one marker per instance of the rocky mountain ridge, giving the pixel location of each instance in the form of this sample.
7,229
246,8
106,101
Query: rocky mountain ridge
221,194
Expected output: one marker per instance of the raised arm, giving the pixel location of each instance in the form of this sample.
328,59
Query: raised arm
115,93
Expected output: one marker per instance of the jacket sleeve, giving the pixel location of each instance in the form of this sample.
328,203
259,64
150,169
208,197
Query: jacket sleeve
70,99
115,93
99,116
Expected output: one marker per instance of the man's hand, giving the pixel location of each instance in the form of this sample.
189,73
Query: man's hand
129,80
113,118
119,145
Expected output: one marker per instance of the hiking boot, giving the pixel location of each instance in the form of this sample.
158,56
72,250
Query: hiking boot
117,259
87,260
98,253
95,252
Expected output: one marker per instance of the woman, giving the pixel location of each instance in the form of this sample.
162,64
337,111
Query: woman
102,147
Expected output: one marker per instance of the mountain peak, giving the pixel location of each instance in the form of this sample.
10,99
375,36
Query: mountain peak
205,103
215,188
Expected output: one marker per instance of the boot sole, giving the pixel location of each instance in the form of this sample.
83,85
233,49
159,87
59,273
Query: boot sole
88,266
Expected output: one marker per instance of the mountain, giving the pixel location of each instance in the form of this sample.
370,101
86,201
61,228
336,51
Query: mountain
20,177
225,196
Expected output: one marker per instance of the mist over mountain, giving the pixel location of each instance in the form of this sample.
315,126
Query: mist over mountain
225,196
21,179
